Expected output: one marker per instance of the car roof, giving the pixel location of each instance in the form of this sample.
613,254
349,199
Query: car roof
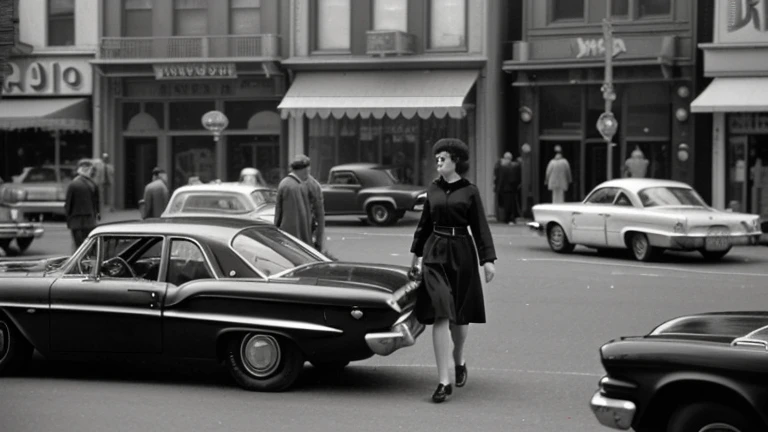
358,166
208,227
635,185
220,187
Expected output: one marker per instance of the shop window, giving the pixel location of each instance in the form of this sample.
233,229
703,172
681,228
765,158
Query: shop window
447,24
245,17
130,109
138,18
190,17
647,8
390,15
61,22
567,10
240,112
322,146
261,152
561,110
188,115
193,156
334,25
649,110
620,8
155,109
348,147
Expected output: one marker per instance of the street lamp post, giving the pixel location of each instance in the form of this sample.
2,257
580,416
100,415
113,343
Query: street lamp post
607,124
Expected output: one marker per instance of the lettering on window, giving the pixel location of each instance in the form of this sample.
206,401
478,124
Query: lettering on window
596,47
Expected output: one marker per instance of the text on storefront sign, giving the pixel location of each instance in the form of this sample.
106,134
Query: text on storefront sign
45,78
748,123
596,47
743,13
195,70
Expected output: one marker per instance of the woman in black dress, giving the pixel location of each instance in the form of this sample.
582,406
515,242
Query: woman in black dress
447,257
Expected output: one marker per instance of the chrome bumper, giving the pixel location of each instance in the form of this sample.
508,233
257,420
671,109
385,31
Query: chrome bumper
613,413
402,334
535,226
689,242
16,230
38,206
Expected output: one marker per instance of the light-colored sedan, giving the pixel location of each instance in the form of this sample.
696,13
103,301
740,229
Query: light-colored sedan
223,199
40,189
647,216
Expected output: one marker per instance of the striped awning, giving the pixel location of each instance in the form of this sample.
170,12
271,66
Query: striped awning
51,114
437,93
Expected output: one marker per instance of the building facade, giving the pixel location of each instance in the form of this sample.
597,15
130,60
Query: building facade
382,80
736,101
558,71
163,64
46,114
8,17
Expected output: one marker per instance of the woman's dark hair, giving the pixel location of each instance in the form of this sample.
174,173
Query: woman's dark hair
457,149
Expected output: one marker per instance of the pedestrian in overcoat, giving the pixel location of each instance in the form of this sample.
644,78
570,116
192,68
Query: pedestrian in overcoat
448,255
81,205
558,176
156,194
317,204
293,210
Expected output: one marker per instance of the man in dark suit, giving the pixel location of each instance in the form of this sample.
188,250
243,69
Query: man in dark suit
82,203
156,194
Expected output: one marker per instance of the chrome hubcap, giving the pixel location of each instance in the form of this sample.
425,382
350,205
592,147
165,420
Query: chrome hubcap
719,427
556,236
640,246
261,355
380,213
4,340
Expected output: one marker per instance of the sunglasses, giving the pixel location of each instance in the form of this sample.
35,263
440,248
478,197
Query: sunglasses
441,159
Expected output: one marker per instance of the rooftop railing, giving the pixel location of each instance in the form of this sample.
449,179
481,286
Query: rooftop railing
181,47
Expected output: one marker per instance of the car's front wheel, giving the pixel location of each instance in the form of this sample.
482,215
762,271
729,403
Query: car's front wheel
24,243
713,255
711,417
15,351
642,249
381,213
558,240
263,362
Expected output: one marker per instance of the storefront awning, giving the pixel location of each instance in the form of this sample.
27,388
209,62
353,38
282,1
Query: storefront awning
392,93
733,95
62,114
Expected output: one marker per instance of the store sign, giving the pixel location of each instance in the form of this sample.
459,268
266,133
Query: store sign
48,76
748,123
195,70
245,87
742,21
596,47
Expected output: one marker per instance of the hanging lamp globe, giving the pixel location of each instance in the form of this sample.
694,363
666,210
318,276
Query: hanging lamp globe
215,122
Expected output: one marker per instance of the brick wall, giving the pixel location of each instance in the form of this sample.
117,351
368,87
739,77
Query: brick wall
7,35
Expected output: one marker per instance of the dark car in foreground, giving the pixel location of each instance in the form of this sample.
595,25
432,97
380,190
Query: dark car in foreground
370,190
697,373
239,292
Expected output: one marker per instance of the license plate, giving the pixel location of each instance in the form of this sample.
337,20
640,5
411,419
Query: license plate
717,243
14,214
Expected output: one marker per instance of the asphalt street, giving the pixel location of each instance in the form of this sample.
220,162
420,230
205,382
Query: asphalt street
532,367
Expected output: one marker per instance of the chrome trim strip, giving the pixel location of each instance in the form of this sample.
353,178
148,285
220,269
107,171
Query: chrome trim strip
389,200
24,305
108,309
261,322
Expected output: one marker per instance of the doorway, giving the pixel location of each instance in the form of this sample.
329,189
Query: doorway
192,156
140,160
261,152
572,153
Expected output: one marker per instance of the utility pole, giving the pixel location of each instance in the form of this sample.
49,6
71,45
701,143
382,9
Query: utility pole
607,124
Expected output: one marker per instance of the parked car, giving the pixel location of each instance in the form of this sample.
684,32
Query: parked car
240,292
697,373
223,199
370,190
14,227
647,216
40,189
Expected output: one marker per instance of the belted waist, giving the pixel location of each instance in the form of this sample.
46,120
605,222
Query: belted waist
451,231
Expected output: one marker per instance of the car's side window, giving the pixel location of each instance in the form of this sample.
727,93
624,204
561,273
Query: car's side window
130,257
86,263
343,178
623,200
603,196
186,263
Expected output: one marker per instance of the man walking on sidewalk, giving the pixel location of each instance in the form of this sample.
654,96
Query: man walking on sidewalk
81,206
293,210
156,195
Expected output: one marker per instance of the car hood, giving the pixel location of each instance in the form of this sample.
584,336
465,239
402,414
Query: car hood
376,277
40,267
714,327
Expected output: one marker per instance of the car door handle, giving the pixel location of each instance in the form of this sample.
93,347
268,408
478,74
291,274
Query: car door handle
150,292
604,214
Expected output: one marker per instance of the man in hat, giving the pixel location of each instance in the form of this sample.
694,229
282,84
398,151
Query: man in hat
252,177
318,211
558,176
293,210
156,194
81,205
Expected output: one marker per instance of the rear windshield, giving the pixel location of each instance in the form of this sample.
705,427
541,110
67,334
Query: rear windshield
209,202
270,250
670,196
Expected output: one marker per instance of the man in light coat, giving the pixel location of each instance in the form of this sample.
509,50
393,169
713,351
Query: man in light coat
156,195
293,210
558,176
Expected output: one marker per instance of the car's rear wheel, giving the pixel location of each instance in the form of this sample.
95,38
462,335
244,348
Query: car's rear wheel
558,240
24,243
642,249
713,255
711,417
263,362
381,213
15,351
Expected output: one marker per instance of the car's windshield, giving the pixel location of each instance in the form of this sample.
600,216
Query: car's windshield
209,202
264,196
270,250
670,196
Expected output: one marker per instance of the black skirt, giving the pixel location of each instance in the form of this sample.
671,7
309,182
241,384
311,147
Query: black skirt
451,281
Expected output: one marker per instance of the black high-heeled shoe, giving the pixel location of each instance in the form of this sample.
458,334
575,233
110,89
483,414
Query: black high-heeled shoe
461,375
442,392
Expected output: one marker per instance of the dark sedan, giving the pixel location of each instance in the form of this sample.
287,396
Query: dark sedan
699,373
371,190
222,289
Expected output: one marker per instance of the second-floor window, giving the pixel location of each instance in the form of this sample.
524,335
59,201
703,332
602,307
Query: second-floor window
244,17
334,25
138,18
190,17
390,15
653,7
447,24
61,22
567,10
